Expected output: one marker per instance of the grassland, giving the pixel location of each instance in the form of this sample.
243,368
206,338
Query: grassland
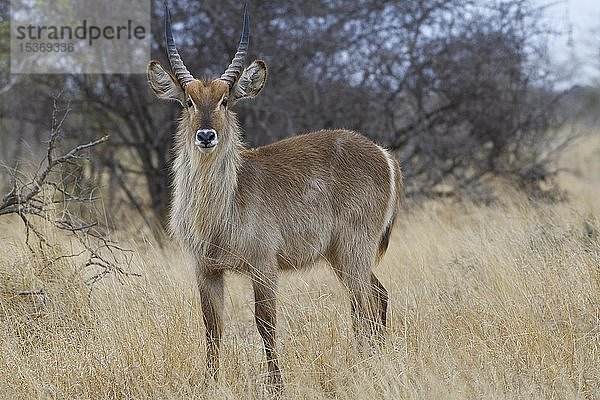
487,302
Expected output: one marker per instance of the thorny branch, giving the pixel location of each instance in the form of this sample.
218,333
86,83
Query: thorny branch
47,196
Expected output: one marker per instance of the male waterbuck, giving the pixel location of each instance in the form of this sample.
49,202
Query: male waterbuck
330,195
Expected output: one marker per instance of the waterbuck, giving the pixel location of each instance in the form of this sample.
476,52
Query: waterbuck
329,195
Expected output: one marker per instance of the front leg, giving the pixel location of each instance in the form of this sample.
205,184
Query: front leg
264,297
211,296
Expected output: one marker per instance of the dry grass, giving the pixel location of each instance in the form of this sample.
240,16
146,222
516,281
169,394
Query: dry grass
491,302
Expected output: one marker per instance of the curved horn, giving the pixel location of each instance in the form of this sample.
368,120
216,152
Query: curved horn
181,73
232,73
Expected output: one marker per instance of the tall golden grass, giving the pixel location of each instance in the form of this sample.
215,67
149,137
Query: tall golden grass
499,301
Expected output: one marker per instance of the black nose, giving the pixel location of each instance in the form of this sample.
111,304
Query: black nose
205,136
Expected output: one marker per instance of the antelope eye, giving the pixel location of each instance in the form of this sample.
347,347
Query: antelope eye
189,103
224,102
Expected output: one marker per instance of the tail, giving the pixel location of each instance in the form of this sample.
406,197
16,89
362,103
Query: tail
399,194
385,240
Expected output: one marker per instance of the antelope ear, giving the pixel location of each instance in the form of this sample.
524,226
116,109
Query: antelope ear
163,84
251,82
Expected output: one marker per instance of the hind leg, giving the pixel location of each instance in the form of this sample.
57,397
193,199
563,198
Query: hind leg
364,300
381,296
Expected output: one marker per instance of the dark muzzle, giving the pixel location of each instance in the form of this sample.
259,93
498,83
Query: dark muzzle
206,137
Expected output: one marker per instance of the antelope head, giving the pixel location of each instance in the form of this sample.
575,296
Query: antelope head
207,103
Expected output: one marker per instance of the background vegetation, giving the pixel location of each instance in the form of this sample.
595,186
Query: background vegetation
493,269
460,90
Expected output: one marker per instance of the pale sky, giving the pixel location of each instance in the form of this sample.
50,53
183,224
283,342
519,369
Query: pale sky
576,52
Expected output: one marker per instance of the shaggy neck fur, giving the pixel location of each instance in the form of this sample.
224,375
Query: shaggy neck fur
204,209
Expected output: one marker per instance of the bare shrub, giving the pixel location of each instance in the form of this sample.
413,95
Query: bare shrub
57,194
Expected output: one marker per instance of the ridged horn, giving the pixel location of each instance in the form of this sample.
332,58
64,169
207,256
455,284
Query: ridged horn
233,72
181,72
